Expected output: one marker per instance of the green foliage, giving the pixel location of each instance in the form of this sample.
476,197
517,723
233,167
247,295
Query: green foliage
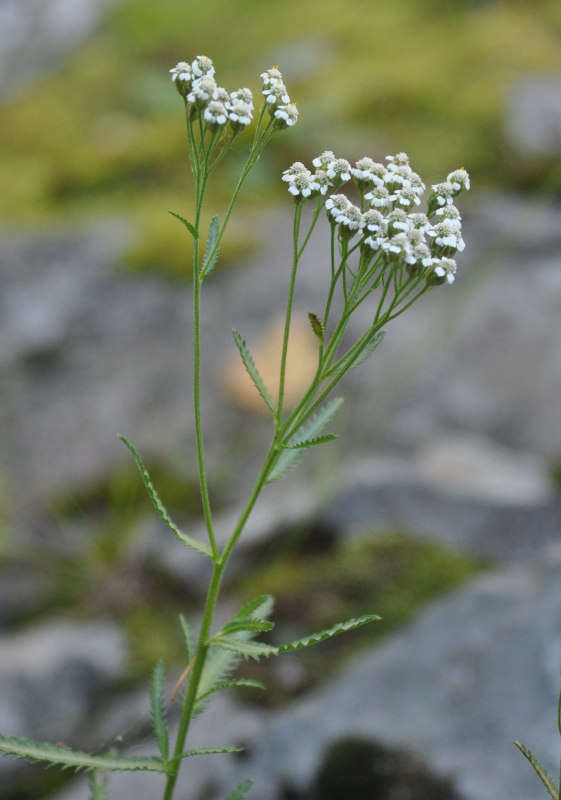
187,224
253,372
210,751
541,772
161,509
212,249
98,787
187,637
157,706
65,758
297,445
240,791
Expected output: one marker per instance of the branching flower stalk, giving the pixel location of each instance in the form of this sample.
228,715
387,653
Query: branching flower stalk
382,252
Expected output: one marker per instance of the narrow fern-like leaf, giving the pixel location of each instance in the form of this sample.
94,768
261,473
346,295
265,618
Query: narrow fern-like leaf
237,684
256,625
188,225
212,251
253,372
187,637
262,604
240,791
309,431
158,709
321,636
210,751
66,758
161,510
98,787
246,649
354,360
540,770
307,443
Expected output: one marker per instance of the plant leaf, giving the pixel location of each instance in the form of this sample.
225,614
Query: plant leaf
190,228
98,787
309,431
326,437
240,791
247,649
256,625
252,371
209,751
239,683
187,636
66,758
314,638
360,357
158,709
263,603
541,771
212,251
194,544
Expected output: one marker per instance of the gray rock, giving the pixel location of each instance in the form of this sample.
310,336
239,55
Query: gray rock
36,35
533,118
473,672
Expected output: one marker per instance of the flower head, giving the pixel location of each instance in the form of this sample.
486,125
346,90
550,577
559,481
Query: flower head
397,161
245,95
285,116
239,114
442,194
202,92
379,198
459,180
182,77
271,76
276,95
339,170
446,239
215,115
325,160
368,173
443,270
202,67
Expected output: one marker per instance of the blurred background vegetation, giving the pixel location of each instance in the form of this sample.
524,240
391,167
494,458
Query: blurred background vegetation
104,133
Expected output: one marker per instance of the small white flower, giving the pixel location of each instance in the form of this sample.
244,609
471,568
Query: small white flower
396,247
325,160
420,221
397,222
239,115
202,92
286,116
451,214
215,115
182,77
301,184
406,198
337,206
418,257
379,197
276,95
447,239
321,182
222,94
398,178
245,95
397,161
442,271
293,170
202,67
353,221
374,221
339,170
459,179
442,194
271,76
368,172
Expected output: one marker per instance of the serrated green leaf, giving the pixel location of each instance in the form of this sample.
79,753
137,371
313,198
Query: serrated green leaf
157,707
66,758
246,649
253,372
327,437
98,787
310,430
161,510
359,357
190,228
240,791
263,603
240,683
187,637
256,625
321,636
541,772
209,751
212,251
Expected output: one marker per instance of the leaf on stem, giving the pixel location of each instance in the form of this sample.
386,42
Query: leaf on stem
240,791
161,510
263,603
191,228
187,636
66,758
244,648
157,707
98,787
209,751
542,773
245,683
252,371
352,360
212,251
329,633
307,432
327,437
256,625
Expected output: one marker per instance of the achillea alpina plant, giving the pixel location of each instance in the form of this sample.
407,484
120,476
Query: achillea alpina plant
383,252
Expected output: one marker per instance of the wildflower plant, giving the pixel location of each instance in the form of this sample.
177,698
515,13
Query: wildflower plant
383,253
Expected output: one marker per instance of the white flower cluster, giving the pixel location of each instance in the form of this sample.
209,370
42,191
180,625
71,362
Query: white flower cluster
195,82
284,113
387,221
